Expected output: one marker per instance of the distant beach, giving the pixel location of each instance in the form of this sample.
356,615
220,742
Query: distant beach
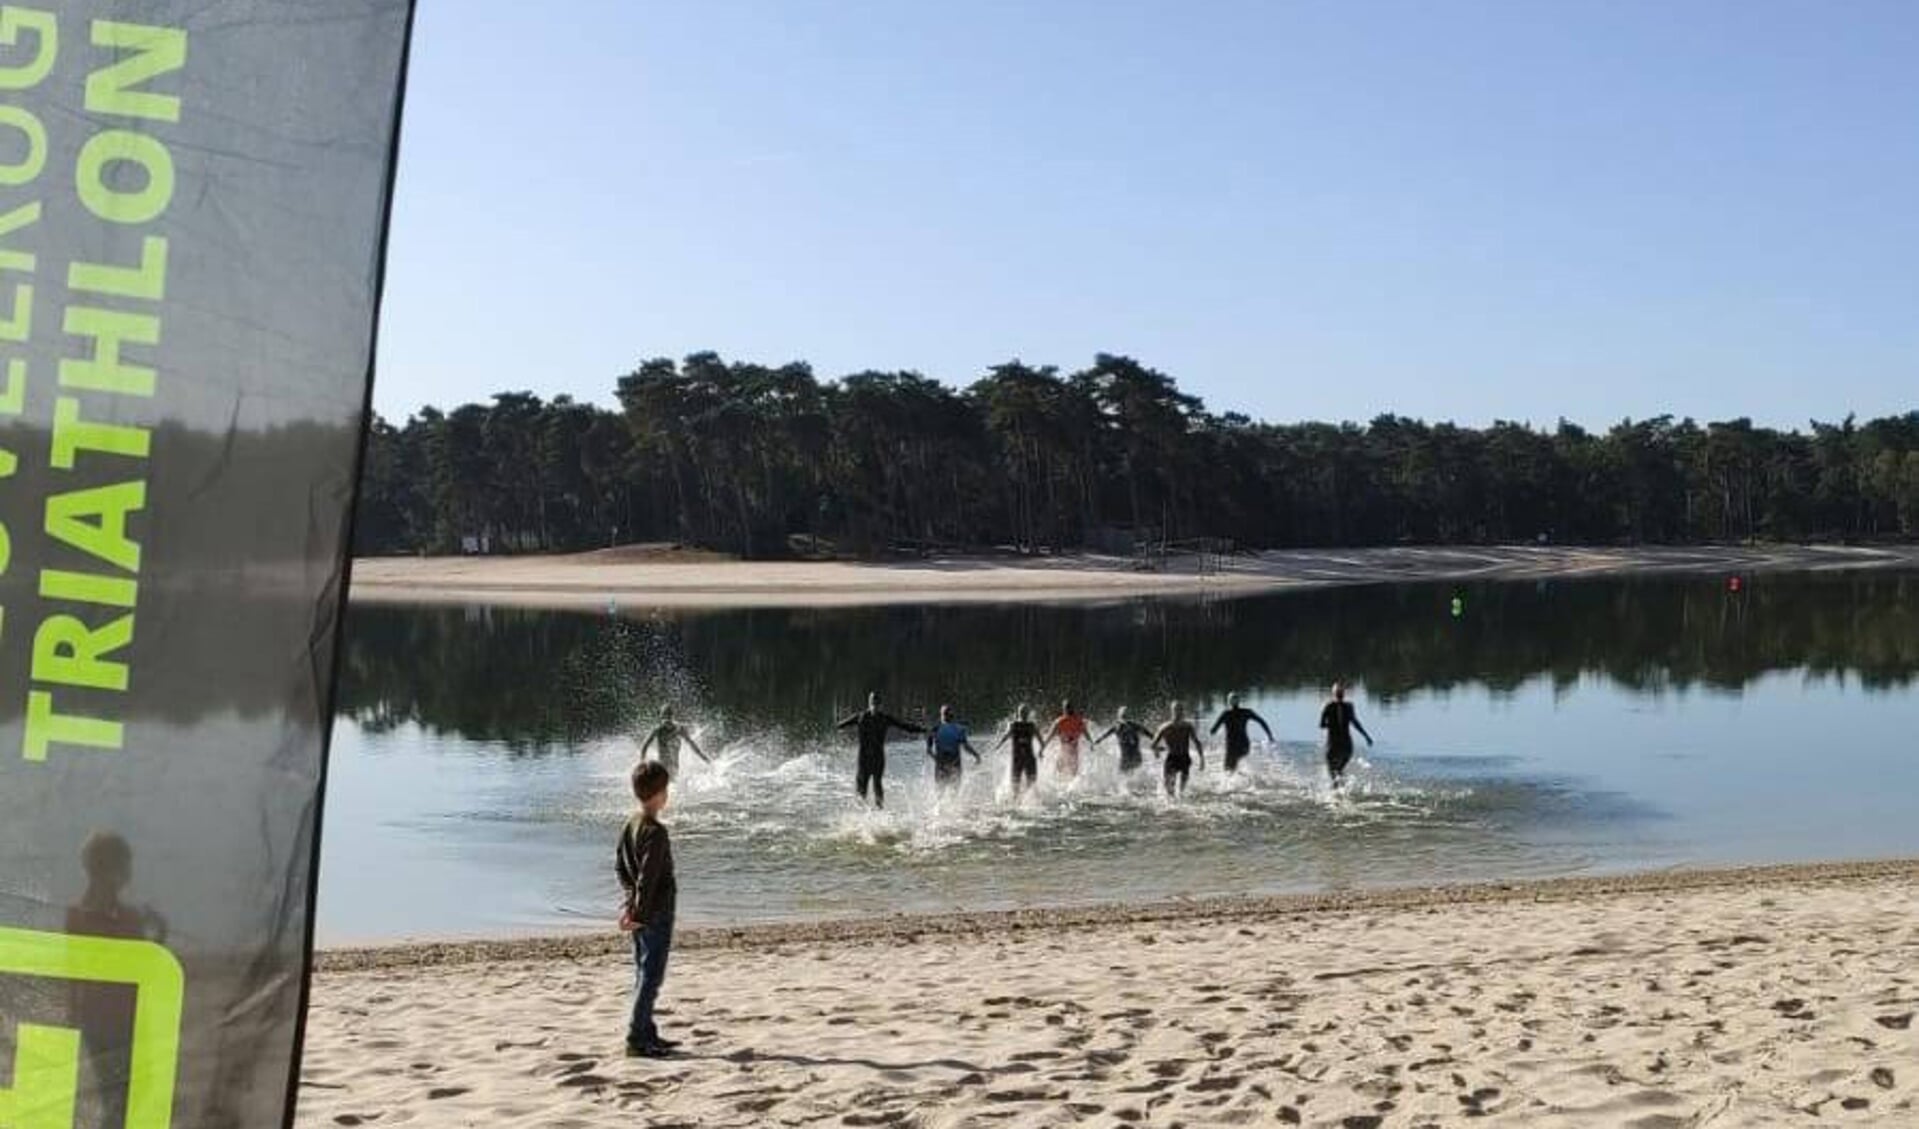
666,577
1758,996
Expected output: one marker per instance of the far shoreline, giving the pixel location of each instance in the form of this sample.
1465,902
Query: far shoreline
644,578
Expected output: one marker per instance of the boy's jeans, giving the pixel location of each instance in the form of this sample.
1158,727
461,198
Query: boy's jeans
650,947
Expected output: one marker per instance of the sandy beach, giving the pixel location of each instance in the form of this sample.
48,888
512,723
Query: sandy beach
1758,997
643,578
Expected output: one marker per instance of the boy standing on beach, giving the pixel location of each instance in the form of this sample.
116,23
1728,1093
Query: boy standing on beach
645,865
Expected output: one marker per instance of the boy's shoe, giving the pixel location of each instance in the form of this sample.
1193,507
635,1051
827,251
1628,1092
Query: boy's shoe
648,1050
666,1044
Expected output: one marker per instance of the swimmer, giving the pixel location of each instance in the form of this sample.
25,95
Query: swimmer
1180,738
666,736
1069,729
1026,745
1239,741
874,724
1339,719
1129,732
944,744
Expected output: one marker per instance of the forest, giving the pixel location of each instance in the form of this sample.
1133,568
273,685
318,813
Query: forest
772,462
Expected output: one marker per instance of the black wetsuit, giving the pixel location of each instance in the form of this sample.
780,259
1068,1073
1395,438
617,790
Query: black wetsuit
1338,719
1129,734
873,726
1025,737
1178,738
1239,740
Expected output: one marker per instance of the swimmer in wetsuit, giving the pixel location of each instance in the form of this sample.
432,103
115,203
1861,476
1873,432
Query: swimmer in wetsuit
1026,748
1129,732
1180,738
944,744
666,737
1069,729
1239,739
1339,719
874,724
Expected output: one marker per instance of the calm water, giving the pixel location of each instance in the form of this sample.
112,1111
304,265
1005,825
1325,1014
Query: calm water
480,760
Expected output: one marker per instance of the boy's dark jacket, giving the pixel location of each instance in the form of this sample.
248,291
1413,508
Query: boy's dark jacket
645,864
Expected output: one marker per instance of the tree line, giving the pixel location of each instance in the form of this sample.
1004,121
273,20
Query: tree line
769,461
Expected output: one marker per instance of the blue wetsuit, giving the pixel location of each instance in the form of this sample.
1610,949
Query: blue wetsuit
946,742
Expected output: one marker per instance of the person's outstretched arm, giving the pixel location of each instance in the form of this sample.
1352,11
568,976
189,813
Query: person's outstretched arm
968,746
1361,728
902,726
695,746
1200,748
1101,739
648,744
1003,738
1217,722
849,722
1266,727
1159,742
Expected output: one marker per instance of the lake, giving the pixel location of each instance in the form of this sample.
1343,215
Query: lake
480,757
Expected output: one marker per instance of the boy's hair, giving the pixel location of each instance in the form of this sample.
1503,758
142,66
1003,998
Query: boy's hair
649,780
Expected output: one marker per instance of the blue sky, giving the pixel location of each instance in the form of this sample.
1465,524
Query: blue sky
1458,210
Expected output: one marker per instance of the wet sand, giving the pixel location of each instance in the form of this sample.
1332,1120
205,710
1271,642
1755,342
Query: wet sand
641,579
1769,996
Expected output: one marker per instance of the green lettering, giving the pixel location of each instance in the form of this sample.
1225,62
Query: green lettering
13,398
19,325
46,1079
46,728
17,328
28,168
105,372
66,652
72,435
22,216
95,522
46,41
148,280
156,51
86,588
120,146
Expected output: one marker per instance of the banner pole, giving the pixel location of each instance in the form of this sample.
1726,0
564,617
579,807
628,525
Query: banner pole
330,704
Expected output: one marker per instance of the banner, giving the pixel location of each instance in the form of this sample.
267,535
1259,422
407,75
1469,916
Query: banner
193,201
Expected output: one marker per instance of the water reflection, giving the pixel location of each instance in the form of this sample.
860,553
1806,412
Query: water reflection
1547,730
533,679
